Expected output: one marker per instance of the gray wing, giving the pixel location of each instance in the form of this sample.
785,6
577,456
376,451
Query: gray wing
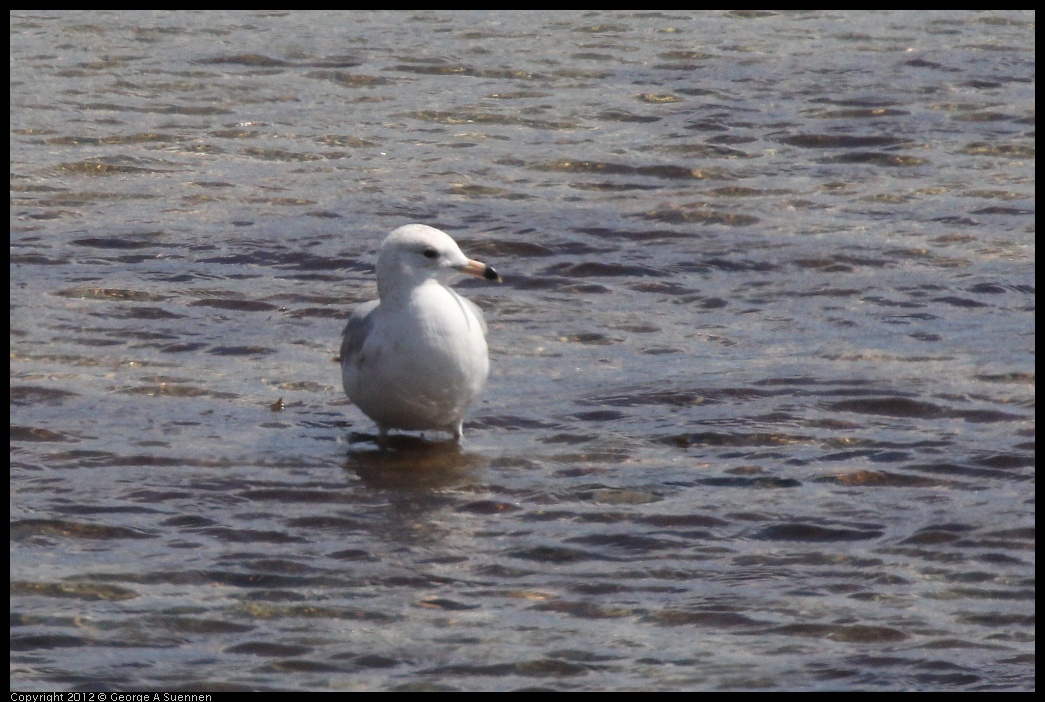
358,328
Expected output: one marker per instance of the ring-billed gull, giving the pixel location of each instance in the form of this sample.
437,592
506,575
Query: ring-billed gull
416,358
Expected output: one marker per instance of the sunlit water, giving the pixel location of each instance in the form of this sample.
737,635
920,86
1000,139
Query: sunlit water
761,408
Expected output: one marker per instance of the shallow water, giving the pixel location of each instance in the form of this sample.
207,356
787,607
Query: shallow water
761,408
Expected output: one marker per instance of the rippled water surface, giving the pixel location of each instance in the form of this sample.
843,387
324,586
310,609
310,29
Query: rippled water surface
761,409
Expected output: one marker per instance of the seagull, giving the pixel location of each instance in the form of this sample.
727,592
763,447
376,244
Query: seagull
416,358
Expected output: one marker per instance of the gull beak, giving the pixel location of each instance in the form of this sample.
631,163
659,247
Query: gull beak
480,270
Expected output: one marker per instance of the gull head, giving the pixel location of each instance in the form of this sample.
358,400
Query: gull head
413,253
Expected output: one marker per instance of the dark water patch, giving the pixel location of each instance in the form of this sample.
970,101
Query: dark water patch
1004,461
599,588
235,133
591,339
611,187
539,668
89,341
764,482
461,118
703,619
841,262
830,292
845,633
734,439
625,542
556,554
74,590
197,625
252,60
707,303
171,390
625,116
269,649
599,416
585,289
44,642
105,509
599,269
583,609
640,328
235,304
350,80
610,168
1002,149
37,395
889,407
1000,620
184,347
684,55
496,249
34,434
799,531
23,529
644,235
903,304
872,455
445,69
877,158
487,507
1025,535
288,156
111,294
682,520
743,191
513,422
107,459
948,643
241,350
866,113
699,215
880,478
290,260
729,265
129,241
154,313
1004,211
290,495
148,337
842,141
712,148
674,289
959,470
102,168
445,603
373,661
181,522
353,554
960,301
605,495
333,524
317,312
684,398
275,566
907,407
34,259
251,535
564,438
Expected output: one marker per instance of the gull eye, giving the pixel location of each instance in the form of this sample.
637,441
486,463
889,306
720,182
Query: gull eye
430,253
